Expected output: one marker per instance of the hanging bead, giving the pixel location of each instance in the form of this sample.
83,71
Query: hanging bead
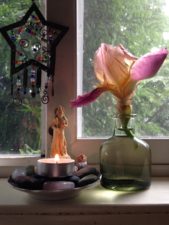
38,81
17,96
18,82
33,77
33,82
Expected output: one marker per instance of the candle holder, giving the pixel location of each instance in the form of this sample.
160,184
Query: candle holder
50,167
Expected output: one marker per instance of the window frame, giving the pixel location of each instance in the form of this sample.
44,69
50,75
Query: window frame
66,89
159,146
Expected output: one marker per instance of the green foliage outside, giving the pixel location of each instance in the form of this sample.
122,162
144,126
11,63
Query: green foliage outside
19,124
140,25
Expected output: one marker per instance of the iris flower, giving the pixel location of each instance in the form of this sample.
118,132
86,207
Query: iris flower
119,72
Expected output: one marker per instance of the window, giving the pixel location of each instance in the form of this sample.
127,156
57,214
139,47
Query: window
140,26
66,90
20,133
20,123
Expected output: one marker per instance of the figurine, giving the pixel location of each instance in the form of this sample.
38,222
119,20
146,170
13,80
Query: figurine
56,129
81,161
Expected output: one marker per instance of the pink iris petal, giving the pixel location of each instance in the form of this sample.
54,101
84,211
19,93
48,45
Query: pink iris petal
87,98
148,65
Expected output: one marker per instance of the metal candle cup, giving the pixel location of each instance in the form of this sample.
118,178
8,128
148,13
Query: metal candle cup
50,167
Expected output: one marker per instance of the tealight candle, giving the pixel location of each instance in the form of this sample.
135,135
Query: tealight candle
55,167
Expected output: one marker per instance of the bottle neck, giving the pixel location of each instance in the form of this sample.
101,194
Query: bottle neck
124,125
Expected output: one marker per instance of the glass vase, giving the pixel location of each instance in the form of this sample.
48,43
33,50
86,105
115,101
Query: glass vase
125,160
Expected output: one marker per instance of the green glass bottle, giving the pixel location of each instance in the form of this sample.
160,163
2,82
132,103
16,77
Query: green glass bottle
125,160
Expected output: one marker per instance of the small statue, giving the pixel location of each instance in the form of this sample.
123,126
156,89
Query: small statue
81,161
56,129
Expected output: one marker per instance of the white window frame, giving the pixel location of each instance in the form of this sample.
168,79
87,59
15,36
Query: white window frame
65,90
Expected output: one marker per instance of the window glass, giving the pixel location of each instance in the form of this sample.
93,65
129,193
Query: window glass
19,123
140,26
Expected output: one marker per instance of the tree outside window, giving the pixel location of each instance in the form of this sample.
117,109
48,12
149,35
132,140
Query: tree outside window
140,26
20,124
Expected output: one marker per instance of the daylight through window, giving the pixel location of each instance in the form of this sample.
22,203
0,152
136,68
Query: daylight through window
140,26
20,124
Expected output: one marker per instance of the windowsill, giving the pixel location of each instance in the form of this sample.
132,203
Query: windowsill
90,205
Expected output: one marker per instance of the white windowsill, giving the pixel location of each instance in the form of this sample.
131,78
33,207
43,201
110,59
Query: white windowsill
93,206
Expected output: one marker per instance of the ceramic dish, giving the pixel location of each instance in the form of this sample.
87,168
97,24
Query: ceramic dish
55,194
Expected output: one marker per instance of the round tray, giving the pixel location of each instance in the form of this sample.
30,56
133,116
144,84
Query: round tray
55,194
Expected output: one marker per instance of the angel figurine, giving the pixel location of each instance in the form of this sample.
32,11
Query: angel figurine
56,129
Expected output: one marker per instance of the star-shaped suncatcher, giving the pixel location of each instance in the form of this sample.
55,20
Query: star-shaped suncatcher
33,41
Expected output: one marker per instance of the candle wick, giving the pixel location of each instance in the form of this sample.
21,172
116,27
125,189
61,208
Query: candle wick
56,160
